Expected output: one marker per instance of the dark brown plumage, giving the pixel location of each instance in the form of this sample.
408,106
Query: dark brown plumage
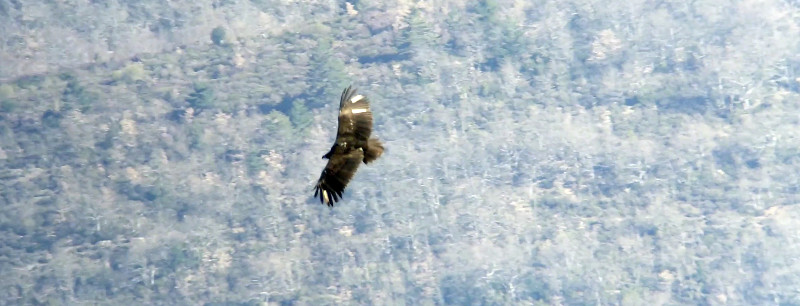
353,145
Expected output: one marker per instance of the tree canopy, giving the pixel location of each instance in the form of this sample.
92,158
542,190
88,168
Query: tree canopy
538,152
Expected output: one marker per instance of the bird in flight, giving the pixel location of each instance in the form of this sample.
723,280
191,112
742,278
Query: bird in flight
353,145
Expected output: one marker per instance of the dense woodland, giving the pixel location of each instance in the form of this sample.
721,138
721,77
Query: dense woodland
538,152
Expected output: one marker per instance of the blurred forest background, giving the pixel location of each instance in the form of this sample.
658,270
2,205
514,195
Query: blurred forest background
538,152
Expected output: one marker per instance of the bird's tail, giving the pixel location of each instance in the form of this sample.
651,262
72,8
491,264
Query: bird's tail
372,150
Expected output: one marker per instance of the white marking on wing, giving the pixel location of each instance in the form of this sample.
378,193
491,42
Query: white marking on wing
325,196
359,110
356,98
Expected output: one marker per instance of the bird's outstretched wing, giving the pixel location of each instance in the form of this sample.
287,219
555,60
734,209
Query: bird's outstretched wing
355,119
337,173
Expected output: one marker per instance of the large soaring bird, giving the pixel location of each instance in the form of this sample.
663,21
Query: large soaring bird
353,145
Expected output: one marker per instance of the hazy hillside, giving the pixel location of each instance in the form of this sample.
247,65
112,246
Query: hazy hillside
547,153
43,37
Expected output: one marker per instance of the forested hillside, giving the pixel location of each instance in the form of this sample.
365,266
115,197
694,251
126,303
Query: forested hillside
537,152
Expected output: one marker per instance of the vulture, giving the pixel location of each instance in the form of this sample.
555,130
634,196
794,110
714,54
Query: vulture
353,146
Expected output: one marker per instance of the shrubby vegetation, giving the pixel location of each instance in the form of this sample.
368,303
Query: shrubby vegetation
537,153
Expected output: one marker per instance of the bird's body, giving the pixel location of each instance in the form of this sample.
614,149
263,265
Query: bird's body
353,145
